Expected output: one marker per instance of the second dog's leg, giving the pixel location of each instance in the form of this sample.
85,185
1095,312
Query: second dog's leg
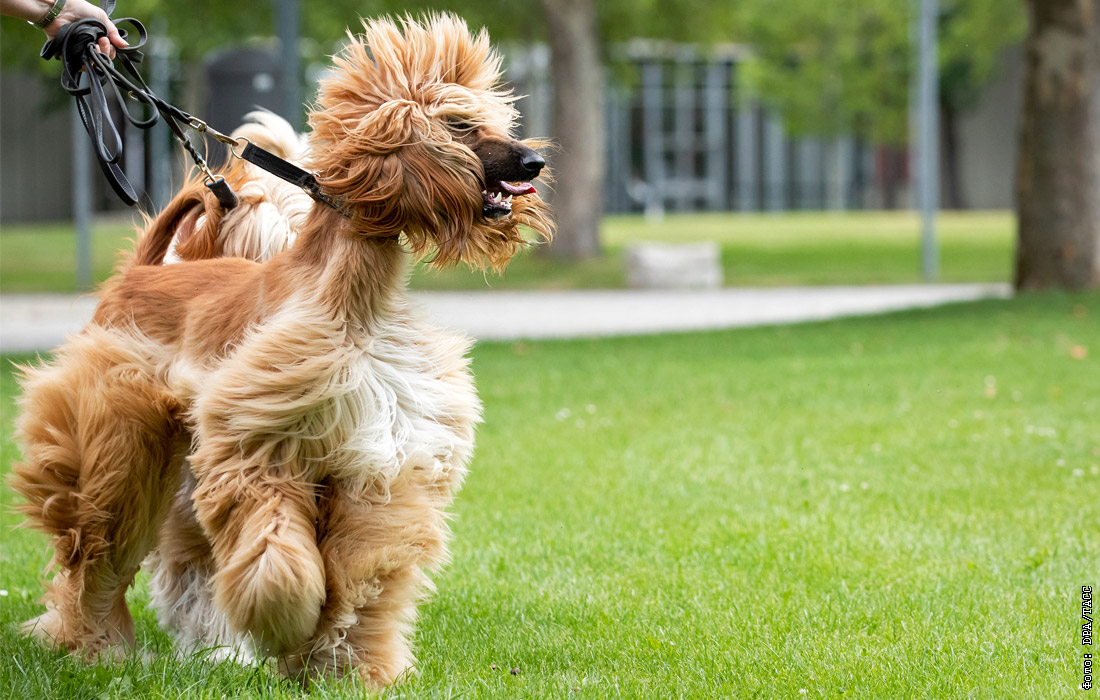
101,450
180,588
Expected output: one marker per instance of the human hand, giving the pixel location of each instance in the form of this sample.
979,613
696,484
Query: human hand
81,9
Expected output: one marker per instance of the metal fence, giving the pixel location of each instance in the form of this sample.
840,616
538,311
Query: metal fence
683,135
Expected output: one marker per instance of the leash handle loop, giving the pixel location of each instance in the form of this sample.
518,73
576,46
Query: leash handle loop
86,72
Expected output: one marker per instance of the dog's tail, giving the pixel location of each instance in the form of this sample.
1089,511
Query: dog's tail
172,221
270,212
194,226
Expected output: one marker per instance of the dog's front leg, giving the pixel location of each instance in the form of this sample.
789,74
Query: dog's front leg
378,544
269,577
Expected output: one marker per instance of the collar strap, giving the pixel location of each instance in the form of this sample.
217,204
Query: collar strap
291,173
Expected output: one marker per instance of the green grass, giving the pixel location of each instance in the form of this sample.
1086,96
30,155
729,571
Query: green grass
757,250
903,506
43,257
835,248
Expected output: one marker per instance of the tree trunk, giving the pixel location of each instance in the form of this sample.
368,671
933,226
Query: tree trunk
577,126
1058,169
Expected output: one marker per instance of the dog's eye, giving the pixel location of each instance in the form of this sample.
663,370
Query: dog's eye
459,124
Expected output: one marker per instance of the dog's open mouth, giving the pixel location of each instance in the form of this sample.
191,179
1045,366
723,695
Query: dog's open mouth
498,198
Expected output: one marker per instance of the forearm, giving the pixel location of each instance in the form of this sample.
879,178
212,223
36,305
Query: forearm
30,10
65,13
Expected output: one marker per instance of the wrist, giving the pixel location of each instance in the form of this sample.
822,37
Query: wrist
45,18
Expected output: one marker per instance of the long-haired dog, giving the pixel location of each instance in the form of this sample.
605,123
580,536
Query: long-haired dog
286,435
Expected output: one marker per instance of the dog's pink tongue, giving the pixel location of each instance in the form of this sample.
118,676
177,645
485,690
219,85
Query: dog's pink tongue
521,188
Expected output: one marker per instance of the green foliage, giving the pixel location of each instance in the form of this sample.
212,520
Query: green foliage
196,27
692,21
830,66
827,66
845,65
972,33
200,26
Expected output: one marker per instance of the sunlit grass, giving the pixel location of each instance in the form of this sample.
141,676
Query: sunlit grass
895,507
756,250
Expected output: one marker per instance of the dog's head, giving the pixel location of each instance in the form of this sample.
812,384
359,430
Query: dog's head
413,132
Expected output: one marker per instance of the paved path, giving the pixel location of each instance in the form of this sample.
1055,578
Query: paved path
40,322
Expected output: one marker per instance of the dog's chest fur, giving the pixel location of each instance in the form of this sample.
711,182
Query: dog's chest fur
398,401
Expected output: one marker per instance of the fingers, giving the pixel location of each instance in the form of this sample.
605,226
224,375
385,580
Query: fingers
113,35
79,9
115,38
106,44
103,45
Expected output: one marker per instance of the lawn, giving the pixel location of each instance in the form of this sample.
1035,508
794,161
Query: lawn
756,249
903,506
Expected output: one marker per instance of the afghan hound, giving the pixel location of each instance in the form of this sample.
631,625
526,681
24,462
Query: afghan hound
283,438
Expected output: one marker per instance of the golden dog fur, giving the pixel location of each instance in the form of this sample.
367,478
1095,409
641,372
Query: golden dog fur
285,437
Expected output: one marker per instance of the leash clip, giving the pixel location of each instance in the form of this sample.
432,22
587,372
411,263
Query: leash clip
237,142
227,198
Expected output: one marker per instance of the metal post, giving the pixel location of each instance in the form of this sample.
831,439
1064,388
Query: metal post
838,175
160,154
684,125
775,163
133,153
747,166
807,180
542,94
82,202
718,149
616,194
653,133
288,27
929,139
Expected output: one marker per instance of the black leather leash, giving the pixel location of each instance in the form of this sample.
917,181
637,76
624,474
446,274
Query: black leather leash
287,171
75,46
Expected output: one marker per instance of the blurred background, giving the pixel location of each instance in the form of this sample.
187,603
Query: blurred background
784,134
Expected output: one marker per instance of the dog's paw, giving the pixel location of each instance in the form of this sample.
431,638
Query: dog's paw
106,646
48,629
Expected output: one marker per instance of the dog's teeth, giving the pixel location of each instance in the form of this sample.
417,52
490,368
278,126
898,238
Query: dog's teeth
508,200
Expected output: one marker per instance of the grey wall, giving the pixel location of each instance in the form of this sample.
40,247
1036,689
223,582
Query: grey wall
35,160
987,138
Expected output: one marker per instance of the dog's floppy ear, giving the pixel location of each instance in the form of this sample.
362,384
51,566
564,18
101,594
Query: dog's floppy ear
399,172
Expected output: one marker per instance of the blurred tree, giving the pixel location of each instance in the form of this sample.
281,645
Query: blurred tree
832,67
577,32
844,66
577,125
1058,167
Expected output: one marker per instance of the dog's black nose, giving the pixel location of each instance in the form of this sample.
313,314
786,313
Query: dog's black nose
532,163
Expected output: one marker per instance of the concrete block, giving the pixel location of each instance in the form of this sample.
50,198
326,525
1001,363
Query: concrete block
674,266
